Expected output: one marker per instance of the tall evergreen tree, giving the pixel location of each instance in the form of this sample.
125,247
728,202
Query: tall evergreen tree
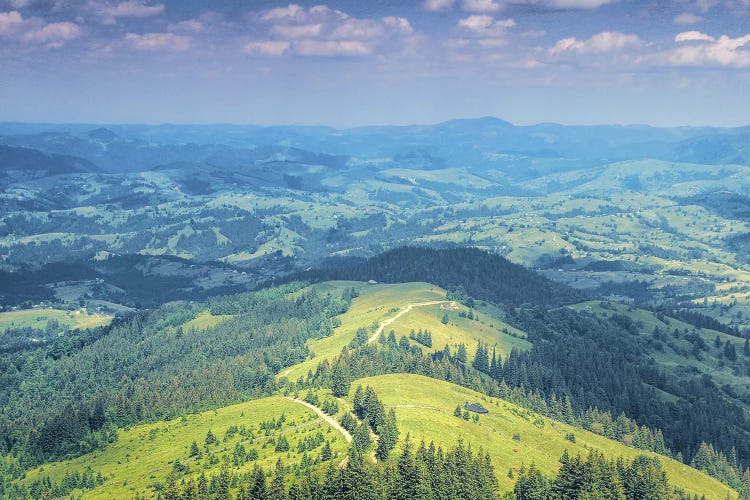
361,438
278,490
258,487
340,378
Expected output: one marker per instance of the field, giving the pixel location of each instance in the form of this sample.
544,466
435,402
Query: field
460,330
39,318
424,409
205,320
144,455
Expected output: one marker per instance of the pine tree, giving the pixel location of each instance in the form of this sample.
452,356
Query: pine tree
194,450
282,445
357,479
278,490
531,484
410,479
729,351
746,348
258,488
388,436
481,361
444,319
358,402
340,378
496,370
326,453
348,422
202,489
361,437
461,353
373,409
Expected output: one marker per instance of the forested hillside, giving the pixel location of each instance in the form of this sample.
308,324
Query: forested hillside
596,361
149,366
468,272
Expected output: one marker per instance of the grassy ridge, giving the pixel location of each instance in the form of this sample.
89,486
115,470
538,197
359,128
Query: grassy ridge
144,454
424,408
487,329
374,304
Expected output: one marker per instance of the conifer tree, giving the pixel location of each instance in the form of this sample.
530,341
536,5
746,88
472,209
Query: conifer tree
387,436
326,453
340,378
358,402
258,487
361,437
194,450
278,490
210,438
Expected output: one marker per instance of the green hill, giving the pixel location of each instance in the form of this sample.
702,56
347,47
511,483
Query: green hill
683,349
425,406
144,455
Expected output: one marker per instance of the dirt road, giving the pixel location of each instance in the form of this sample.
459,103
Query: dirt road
331,421
403,311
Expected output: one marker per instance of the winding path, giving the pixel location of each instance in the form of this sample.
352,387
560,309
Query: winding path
403,311
331,421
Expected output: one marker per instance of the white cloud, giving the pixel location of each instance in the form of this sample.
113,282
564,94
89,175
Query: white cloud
322,31
19,4
189,25
485,26
296,31
290,12
707,51
567,4
606,41
10,22
54,32
327,48
400,24
35,31
438,5
687,18
109,12
267,47
351,28
690,36
158,41
481,5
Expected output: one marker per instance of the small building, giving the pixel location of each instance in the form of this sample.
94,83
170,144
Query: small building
476,408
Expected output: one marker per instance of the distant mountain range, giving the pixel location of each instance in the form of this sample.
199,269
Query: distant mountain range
480,143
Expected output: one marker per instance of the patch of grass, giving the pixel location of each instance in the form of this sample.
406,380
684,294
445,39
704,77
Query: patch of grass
424,409
487,329
38,318
205,320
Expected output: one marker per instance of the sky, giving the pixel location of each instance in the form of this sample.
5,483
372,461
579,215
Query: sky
349,63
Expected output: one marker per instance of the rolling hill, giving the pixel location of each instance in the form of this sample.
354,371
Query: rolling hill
145,458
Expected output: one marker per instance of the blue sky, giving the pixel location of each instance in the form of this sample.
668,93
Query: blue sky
348,63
